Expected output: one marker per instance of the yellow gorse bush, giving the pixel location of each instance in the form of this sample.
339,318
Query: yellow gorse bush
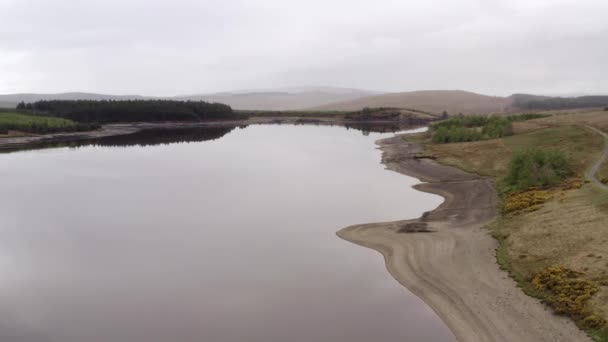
568,294
531,199
528,199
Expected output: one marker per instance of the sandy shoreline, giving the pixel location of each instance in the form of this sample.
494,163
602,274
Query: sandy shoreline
453,269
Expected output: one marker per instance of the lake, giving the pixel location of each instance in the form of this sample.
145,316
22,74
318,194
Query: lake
222,240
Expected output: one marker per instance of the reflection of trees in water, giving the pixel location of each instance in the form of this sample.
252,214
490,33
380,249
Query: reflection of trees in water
146,137
367,126
162,136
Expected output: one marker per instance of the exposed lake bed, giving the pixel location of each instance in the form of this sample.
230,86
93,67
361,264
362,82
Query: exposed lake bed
454,268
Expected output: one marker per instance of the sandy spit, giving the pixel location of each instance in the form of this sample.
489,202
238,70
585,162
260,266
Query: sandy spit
453,269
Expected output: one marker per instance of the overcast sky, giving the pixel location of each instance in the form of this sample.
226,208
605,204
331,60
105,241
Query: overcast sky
194,46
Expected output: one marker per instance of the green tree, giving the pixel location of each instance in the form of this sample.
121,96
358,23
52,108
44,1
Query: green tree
537,168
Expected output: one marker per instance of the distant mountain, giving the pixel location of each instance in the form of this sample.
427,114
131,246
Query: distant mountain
272,99
329,90
11,100
432,101
282,99
348,99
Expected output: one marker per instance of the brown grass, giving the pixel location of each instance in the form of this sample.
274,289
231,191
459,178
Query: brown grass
595,118
491,157
602,174
434,101
568,228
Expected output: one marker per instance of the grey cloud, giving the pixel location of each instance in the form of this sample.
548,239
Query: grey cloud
188,46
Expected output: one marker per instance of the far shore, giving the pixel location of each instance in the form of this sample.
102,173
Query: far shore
453,267
111,130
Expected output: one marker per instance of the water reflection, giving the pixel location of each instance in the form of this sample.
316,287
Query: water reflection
159,136
220,241
366,127
146,137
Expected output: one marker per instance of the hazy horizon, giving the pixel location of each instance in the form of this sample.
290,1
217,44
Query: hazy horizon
138,47
285,90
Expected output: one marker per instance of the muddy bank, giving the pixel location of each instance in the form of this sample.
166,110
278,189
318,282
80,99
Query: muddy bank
447,258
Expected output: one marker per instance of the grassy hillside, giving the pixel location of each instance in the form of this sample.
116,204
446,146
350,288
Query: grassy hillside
435,101
491,157
38,124
279,101
11,100
552,239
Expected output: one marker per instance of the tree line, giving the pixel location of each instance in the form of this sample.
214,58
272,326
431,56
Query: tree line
109,111
536,168
462,128
545,102
470,128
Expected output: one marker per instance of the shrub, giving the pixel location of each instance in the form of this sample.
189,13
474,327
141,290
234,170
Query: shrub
444,135
40,124
461,121
568,294
526,200
527,116
536,168
594,321
470,128
572,184
497,127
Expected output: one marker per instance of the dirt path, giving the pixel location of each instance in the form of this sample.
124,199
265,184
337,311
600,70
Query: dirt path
592,172
453,269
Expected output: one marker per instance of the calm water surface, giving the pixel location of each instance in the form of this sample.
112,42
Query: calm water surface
215,241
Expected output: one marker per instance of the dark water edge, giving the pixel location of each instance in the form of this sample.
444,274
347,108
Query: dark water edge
145,137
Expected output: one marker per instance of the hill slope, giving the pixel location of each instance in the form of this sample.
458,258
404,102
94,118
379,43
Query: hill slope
433,101
287,99
347,99
280,99
11,100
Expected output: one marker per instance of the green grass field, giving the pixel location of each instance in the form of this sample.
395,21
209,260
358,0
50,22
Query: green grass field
38,124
